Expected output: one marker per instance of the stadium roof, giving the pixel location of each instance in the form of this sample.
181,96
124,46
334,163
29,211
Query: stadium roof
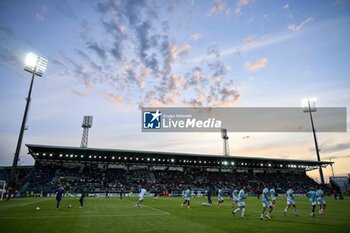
136,157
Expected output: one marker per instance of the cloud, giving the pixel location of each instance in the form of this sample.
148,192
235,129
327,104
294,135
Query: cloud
286,8
83,93
339,157
196,36
211,89
194,78
101,52
249,40
41,13
117,99
336,147
253,43
144,71
297,27
259,64
8,31
87,58
218,5
136,59
240,4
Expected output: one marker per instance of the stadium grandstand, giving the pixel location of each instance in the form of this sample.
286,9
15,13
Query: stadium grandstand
116,170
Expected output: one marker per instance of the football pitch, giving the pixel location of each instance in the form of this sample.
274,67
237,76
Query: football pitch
165,215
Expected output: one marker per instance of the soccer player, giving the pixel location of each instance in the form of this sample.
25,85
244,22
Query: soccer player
59,194
121,193
209,193
187,198
107,192
81,199
321,202
220,199
291,201
273,197
266,203
141,196
312,198
241,203
234,198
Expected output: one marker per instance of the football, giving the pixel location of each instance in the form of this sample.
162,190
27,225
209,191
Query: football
69,206
37,208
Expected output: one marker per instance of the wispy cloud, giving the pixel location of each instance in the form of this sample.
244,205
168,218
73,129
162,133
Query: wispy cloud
101,52
218,5
221,6
240,4
335,147
114,98
259,64
250,43
41,13
196,36
297,27
286,8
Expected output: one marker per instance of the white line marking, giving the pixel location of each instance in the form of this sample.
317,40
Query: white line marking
25,204
164,212
78,216
35,202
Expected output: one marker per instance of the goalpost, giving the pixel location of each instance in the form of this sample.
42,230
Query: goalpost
2,188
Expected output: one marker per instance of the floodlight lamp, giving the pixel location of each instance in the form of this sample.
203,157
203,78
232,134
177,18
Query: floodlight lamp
31,60
35,64
309,104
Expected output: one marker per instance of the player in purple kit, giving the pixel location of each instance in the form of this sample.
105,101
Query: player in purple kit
59,194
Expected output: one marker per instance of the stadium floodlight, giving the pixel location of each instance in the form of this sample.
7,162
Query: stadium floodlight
309,105
36,66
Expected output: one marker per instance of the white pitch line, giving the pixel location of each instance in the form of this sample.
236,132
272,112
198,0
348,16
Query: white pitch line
79,216
25,204
35,202
152,208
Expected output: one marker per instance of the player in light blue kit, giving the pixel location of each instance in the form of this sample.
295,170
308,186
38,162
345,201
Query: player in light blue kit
321,202
187,196
266,203
141,197
241,203
234,198
220,199
291,201
312,198
273,197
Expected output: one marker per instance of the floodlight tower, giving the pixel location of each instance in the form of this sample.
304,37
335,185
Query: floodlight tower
36,66
225,139
309,105
87,123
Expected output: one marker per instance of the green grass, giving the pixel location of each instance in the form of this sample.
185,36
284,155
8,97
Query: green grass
164,215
